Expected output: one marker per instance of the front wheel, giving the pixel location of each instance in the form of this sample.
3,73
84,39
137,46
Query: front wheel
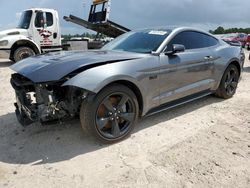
229,83
22,53
111,115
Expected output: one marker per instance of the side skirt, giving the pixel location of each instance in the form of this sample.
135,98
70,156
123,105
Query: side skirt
178,102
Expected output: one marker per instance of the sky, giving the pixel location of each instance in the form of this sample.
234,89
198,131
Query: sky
134,14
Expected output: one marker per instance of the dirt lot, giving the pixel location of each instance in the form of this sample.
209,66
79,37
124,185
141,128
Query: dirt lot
202,144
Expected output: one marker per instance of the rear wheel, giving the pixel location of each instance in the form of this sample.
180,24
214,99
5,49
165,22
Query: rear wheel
229,83
112,115
22,53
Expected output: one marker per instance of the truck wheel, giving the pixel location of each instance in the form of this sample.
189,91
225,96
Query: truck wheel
229,83
111,115
22,53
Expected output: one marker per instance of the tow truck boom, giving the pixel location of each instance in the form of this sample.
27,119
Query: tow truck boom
99,21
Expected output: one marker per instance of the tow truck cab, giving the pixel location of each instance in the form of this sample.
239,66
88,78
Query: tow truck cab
38,31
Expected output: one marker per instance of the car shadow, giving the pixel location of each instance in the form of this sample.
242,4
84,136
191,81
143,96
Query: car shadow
38,144
4,64
246,69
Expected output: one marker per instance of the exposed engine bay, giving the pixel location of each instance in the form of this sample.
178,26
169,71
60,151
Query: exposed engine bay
46,101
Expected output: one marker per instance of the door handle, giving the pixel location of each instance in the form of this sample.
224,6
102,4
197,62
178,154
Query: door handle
208,57
54,35
153,77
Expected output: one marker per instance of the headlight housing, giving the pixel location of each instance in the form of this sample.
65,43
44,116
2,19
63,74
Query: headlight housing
4,42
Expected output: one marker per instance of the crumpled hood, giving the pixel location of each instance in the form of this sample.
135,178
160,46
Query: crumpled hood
10,32
54,66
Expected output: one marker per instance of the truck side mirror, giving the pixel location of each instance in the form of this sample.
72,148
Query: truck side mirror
44,25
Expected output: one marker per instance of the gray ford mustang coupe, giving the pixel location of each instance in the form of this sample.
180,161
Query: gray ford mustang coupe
137,74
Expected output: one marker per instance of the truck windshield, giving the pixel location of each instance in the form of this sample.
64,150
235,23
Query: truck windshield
25,20
140,42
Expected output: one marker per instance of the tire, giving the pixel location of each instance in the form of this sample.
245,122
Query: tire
229,83
22,53
111,116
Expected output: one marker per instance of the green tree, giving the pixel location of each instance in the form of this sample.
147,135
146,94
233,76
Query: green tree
219,30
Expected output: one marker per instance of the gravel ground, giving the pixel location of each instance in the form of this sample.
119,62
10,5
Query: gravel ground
205,143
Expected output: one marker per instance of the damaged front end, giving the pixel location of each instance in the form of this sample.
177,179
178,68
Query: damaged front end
45,102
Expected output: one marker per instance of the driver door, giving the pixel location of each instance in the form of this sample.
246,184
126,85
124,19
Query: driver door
45,30
188,72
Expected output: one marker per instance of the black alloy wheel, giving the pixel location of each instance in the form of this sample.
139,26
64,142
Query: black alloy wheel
111,115
229,82
115,115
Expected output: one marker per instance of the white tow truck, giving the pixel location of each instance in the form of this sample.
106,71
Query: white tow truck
38,31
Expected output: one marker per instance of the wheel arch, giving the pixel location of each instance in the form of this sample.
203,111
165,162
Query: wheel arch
95,86
237,64
231,62
21,43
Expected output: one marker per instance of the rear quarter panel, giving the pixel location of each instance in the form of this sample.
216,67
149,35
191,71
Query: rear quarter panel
224,55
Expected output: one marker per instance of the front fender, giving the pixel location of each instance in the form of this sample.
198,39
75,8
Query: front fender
95,79
23,39
14,39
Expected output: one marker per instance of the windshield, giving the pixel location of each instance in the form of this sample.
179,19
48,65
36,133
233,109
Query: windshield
25,20
139,42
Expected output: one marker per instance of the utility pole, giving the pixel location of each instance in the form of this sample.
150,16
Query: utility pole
84,8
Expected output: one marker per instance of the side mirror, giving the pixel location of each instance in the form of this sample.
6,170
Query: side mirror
176,48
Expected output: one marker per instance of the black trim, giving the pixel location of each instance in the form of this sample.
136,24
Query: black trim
51,47
179,102
5,49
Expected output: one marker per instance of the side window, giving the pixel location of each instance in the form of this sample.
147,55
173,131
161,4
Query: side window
43,18
39,21
192,40
49,19
183,38
209,41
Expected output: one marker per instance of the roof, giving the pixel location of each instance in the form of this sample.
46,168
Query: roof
172,28
42,9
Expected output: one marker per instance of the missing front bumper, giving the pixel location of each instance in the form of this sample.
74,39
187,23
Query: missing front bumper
45,102
22,117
